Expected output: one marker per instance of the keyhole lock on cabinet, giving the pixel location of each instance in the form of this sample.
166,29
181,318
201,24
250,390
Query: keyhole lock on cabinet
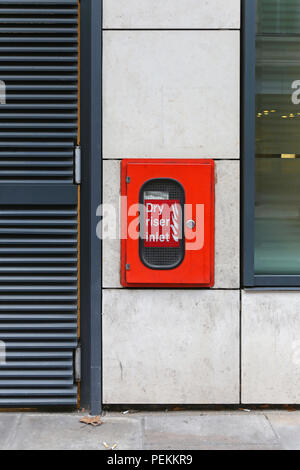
191,224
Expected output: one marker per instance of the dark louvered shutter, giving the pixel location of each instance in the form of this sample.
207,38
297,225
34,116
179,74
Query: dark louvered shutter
38,201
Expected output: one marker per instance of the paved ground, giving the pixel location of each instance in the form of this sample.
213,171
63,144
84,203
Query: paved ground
154,430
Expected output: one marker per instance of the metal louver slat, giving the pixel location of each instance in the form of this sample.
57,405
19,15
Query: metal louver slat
56,30
38,201
39,364
39,401
35,373
39,355
33,11
33,316
38,20
38,50
49,345
35,382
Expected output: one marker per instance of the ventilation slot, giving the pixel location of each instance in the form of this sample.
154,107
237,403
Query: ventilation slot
38,65
38,304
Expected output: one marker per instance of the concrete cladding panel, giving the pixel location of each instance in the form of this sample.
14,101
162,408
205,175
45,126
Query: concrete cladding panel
171,14
227,228
171,94
111,229
162,346
271,347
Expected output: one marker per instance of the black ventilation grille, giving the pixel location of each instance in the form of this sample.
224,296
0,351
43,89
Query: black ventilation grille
38,304
163,257
38,64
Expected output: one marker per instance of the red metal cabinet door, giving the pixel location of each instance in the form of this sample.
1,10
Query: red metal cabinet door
196,177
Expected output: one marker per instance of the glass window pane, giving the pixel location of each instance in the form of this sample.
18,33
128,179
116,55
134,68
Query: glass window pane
277,205
278,16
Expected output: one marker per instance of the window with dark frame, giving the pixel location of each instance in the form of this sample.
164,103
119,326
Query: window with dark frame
271,143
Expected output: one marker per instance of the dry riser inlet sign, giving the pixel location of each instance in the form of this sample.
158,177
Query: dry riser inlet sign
162,223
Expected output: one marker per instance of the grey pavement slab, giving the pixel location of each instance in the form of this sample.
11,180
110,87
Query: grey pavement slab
8,423
209,431
186,430
287,428
56,432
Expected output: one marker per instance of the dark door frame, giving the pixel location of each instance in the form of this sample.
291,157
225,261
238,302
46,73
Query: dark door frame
91,198
248,137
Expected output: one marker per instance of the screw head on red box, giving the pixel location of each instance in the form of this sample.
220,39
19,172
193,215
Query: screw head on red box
191,224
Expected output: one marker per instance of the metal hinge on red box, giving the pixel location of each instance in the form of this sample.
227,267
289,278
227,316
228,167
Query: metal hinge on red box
167,223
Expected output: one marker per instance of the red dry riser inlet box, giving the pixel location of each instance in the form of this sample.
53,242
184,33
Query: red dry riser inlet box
168,221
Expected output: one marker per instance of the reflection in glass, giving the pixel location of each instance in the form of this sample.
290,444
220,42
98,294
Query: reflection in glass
277,205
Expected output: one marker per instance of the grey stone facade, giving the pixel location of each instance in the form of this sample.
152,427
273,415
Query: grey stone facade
171,89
